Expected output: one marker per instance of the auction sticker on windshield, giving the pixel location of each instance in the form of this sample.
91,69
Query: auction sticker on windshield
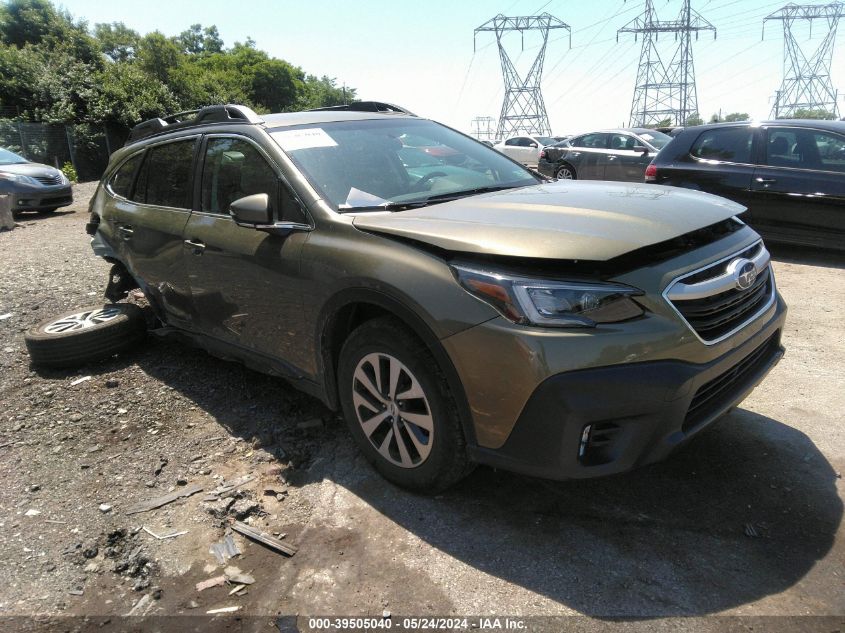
291,140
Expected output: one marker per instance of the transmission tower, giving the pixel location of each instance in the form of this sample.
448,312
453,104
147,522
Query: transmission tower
523,109
806,82
482,128
665,91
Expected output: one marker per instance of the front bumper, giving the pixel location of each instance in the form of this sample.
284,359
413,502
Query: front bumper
607,420
33,199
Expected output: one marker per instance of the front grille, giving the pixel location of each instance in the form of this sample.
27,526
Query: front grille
713,395
49,180
60,200
714,316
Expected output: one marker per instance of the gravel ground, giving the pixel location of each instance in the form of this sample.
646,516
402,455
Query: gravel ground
745,521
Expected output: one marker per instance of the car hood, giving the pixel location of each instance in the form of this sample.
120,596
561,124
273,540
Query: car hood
589,220
29,169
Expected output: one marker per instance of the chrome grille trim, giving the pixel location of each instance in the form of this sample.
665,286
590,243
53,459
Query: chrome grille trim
723,281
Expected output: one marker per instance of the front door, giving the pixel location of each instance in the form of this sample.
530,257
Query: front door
244,282
625,163
589,156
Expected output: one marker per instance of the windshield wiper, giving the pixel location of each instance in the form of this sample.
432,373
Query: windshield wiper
454,195
387,206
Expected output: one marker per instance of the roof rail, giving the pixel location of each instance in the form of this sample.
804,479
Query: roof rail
191,118
367,106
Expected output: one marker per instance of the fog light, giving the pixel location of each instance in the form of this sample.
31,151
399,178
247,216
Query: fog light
585,439
22,203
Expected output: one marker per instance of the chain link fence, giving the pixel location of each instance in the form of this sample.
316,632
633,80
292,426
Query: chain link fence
87,147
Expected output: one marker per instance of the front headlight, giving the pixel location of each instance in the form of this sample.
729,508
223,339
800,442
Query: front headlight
27,180
551,303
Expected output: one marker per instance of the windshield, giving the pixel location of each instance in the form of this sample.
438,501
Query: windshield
10,158
655,139
381,163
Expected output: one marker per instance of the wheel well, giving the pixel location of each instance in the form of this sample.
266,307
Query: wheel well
564,163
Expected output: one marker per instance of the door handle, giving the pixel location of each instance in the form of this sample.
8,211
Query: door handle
611,157
766,181
126,231
197,245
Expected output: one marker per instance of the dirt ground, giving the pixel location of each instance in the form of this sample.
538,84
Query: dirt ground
747,520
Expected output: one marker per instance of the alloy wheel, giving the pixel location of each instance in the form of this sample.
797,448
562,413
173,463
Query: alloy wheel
82,320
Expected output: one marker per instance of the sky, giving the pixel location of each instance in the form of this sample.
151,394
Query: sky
420,55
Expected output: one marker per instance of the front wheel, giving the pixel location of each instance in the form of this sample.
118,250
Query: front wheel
565,172
399,409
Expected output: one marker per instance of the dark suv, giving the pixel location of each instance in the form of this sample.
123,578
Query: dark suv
456,307
789,173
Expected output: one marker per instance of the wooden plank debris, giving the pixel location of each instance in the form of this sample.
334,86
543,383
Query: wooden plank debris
211,582
152,504
264,538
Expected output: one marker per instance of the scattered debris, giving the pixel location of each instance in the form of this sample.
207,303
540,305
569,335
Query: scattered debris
217,581
229,486
54,521
75,592
141,606
181,480
166,536
32,512
3,317
111,383
34,488
223,610
91,550
243,508
235,575
237,589
152,504
225,549
79,381
263,538
160,467
218,508
105,507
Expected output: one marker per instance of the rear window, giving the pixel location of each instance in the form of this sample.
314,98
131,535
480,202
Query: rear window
165,178
732,145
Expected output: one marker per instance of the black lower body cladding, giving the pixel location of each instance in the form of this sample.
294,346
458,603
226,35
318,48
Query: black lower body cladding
608,420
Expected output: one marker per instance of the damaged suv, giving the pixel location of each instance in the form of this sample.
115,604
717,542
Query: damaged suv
457,311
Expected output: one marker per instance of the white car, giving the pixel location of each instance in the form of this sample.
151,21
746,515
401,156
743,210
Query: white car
525,149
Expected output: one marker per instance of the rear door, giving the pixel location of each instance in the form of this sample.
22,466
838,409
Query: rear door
150,226
588,155
800,186
720,161
244,282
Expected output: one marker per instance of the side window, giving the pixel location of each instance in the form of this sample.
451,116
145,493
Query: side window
524,141
598,141
165,178
731,144
122,180
233,169
831,149
622,141
512,141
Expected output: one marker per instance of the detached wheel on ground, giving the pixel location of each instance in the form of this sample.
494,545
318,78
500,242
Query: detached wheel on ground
399,408
84,335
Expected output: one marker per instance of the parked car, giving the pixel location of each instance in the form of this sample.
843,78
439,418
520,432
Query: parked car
460,315
32,186
606,155
524,149
790,174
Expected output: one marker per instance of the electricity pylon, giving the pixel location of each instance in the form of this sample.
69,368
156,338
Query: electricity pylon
523,109
806,81
482,128
665,91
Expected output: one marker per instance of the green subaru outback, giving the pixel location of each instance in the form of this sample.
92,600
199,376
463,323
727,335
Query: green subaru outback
457,307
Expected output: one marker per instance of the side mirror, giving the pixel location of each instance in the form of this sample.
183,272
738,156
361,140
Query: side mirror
640,148
251,210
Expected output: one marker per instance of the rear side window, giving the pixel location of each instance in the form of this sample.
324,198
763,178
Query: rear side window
165,178
731,145
123,179
803,148
590,140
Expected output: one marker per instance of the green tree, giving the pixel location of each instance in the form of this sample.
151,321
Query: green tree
158,55
37,22
737,116
324,92
117,41
128,95
198,40
694,119
803,113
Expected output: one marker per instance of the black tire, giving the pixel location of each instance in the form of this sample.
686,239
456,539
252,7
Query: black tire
108,330
447,462
562,169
